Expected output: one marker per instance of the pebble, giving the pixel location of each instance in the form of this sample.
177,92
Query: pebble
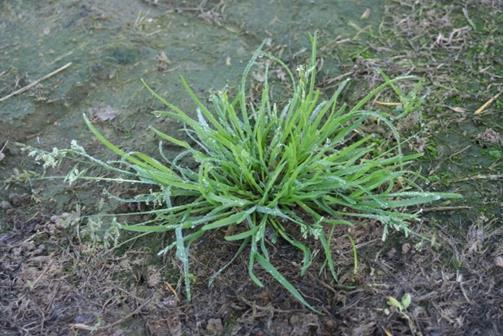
331,324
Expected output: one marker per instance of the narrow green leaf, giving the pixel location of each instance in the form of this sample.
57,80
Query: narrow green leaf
394,303
355,255
307,259
171,139
232,219
242,235
406,301
283,281
237,254
328,254
251,258
182,255
147,228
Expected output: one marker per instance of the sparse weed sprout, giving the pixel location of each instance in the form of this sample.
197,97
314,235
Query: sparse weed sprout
289,173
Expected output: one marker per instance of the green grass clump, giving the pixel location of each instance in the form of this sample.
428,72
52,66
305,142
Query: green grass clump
291,172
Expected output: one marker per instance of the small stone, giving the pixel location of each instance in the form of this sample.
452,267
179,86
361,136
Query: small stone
499,261
331,324
215,326
5,205
406,248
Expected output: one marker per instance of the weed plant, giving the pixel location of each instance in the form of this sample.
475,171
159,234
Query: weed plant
292,172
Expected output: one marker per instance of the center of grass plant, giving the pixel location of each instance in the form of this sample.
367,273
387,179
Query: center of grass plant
273,172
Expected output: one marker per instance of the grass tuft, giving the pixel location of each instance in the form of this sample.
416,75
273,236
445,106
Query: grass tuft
275,172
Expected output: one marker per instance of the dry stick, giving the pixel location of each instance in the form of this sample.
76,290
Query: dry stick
479,177
383,103
32,84
446,208
4,145
168,285
486,104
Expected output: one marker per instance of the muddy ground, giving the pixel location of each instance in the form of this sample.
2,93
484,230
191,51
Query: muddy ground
56,280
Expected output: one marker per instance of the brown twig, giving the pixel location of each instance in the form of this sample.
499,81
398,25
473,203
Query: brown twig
486,104
480,177
32,84
86,327
168,286
383,103
446,208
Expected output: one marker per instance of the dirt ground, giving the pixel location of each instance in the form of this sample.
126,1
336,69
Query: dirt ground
55,279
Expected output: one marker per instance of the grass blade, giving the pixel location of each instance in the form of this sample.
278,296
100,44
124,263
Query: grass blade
283,281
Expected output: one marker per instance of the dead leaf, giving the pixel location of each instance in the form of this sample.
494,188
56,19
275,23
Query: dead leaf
457,109
65,220
154,276
365,14
162,61
281,75
418,144
490,135
163,58
103,113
